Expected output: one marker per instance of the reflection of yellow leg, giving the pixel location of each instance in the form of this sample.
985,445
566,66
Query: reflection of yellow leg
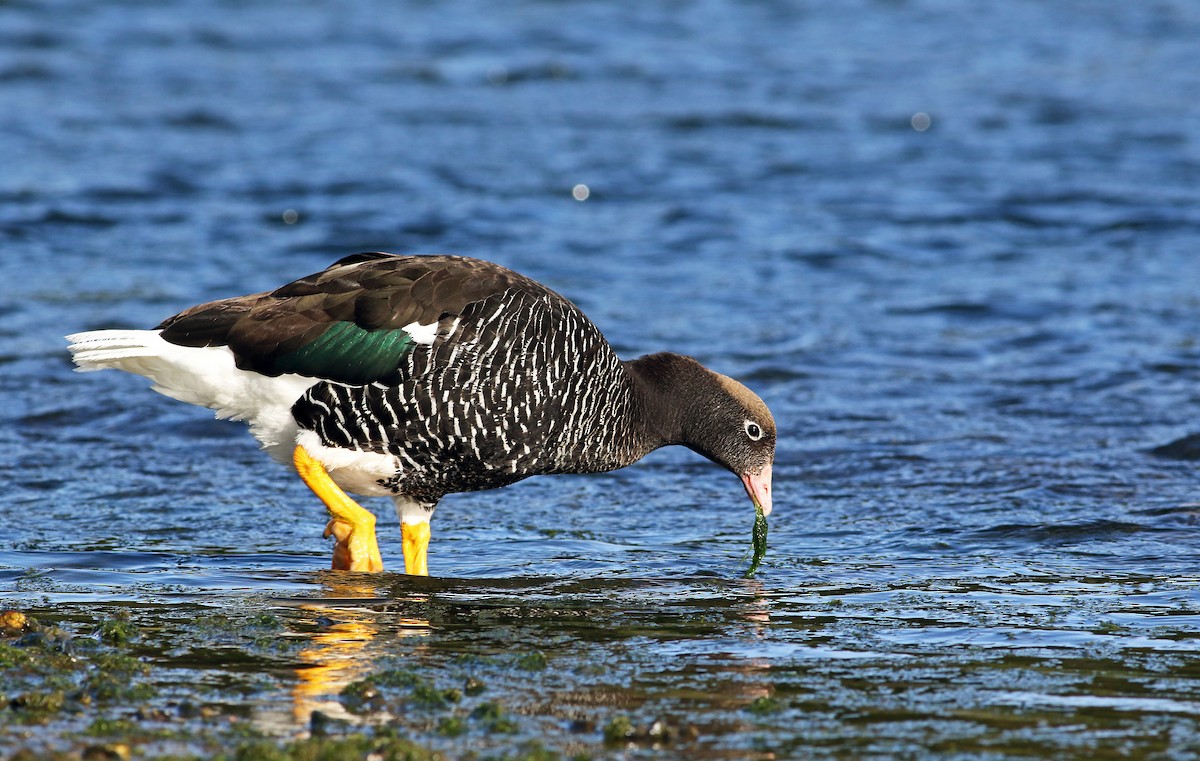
416,547
352,526
341,649
332,658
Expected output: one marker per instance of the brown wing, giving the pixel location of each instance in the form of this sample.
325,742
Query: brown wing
345,323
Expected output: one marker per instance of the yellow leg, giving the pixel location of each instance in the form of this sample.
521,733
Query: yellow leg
352,526
416,548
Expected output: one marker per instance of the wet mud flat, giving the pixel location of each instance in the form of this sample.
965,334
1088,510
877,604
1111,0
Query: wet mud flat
962,663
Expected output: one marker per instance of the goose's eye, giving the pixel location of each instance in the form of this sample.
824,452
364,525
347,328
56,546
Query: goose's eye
752,430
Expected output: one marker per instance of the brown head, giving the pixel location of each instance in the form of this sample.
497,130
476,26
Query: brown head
711,414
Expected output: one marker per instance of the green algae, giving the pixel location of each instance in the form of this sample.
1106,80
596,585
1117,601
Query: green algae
758,540
14,657
452,726
416,691
117,630
618,729
764,705
192,682
494,718
353,747
105,727
531,751
535,661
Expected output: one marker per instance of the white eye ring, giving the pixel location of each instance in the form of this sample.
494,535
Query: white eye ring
753,430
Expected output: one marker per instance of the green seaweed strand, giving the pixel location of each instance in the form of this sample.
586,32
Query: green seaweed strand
759,539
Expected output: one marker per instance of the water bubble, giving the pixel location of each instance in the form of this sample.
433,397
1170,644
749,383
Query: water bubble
290,216
921,121
580,192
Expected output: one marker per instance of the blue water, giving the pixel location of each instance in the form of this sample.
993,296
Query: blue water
971,334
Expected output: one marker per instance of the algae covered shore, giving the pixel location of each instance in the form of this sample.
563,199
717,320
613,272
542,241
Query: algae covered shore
330,666
333,678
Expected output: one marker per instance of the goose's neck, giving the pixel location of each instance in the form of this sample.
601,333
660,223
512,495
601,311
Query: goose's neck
665,390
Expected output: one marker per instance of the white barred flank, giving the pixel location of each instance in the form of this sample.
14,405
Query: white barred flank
522,384
353,470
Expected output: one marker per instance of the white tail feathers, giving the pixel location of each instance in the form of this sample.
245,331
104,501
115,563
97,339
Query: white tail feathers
197,375
206,376
98,349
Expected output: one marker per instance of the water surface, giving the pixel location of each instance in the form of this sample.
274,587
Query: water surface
972,337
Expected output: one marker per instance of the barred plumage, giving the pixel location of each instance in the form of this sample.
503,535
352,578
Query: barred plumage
453,428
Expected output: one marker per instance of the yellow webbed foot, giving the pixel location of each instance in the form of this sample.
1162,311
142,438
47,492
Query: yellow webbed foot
416,548
351,526
354,547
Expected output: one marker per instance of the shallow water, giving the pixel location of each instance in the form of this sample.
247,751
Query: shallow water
972,337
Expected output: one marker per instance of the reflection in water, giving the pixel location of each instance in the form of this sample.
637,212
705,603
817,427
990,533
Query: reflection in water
756,608
757,612
331,662
701,667
344,647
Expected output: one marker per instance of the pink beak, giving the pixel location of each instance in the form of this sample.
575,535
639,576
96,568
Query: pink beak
758,486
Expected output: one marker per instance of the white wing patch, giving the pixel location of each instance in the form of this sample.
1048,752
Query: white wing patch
422,334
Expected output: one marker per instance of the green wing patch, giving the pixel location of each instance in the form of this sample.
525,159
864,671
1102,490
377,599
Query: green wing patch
348,353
